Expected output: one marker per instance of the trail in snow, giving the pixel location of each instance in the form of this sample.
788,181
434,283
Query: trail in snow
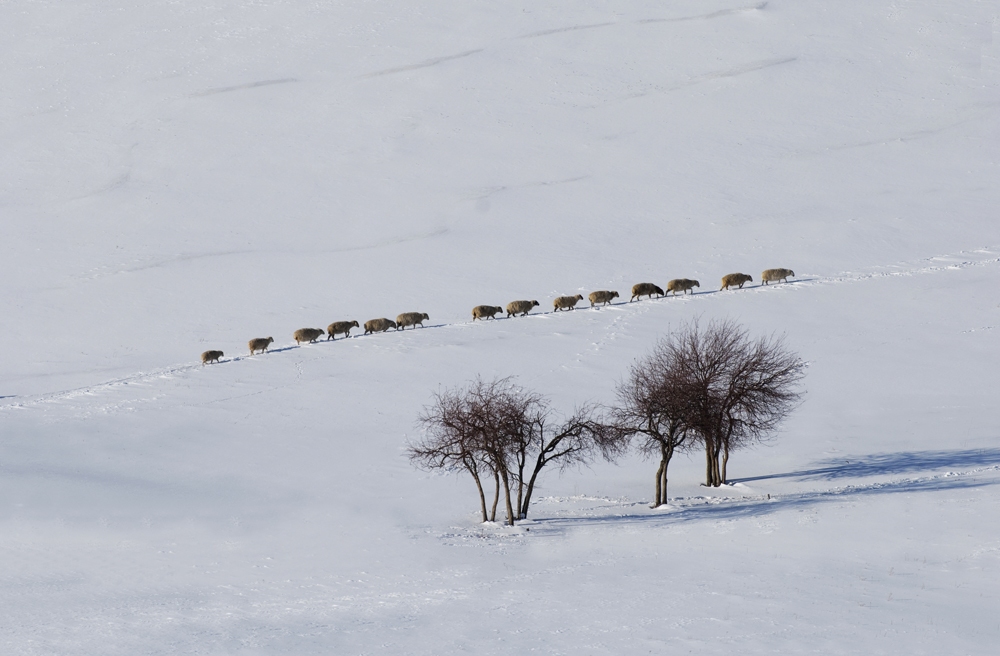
961,260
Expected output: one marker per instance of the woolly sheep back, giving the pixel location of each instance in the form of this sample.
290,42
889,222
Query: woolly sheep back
520,307
211,356
773,275
340,327
683,285
735,280
411,319
379,325
308,335
259,344
603,297
645,289
485,311
566,302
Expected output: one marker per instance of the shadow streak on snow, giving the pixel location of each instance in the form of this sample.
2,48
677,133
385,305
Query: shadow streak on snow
486,192
881,464
644,21
240,87
189,257
424,64
558,30
749,67
755,507
714,14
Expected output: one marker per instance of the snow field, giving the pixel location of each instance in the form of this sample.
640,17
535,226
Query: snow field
182,176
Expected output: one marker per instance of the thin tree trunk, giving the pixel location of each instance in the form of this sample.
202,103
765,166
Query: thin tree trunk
725,460
496,496
659,484
482,497
668,453
708,464
520,489
716,476
506,497
531,487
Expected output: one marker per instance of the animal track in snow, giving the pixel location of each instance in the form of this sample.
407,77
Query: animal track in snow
958,261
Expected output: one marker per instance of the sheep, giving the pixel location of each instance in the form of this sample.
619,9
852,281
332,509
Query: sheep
379,325
735,279
566,302
211,356
776,274
260,344
603,297
645,289
522,307
411,319
338,327
485,311
683,285
308,335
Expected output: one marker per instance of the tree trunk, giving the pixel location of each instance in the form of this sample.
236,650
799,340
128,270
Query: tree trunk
725,460
506,496
520,490
482,497
531,487
716,475
709,481
659,484
496,496
667,454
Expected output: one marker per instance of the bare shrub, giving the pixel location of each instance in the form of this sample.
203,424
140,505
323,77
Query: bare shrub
656,403
742,388
498,428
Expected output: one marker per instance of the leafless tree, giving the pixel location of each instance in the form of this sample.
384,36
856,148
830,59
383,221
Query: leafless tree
577,440
742,389
499,428
451,441
656,403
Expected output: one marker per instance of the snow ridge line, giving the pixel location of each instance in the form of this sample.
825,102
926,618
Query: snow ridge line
807,281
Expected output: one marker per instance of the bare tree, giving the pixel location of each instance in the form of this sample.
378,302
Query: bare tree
451,442
742,389
656,402
577,440
499,428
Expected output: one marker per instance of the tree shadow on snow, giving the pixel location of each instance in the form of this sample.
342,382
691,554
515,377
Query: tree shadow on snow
881,464
725,509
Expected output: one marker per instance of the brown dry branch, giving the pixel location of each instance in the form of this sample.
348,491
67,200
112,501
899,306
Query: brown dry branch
499,428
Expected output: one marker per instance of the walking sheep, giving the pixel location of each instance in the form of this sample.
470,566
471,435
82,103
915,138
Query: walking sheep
340,327
645,289
566,302
308,335
602,297
379,325
411,319
735,280
683,285
485,311
211,356
773,275
260,344
520,307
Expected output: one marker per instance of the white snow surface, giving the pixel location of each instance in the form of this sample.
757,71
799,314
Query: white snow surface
177,176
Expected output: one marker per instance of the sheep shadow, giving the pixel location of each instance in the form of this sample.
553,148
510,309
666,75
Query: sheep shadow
882,464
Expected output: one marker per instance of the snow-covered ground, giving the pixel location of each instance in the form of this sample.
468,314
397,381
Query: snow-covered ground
180,176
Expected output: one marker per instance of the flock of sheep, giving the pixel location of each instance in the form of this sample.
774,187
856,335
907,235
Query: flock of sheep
514,308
